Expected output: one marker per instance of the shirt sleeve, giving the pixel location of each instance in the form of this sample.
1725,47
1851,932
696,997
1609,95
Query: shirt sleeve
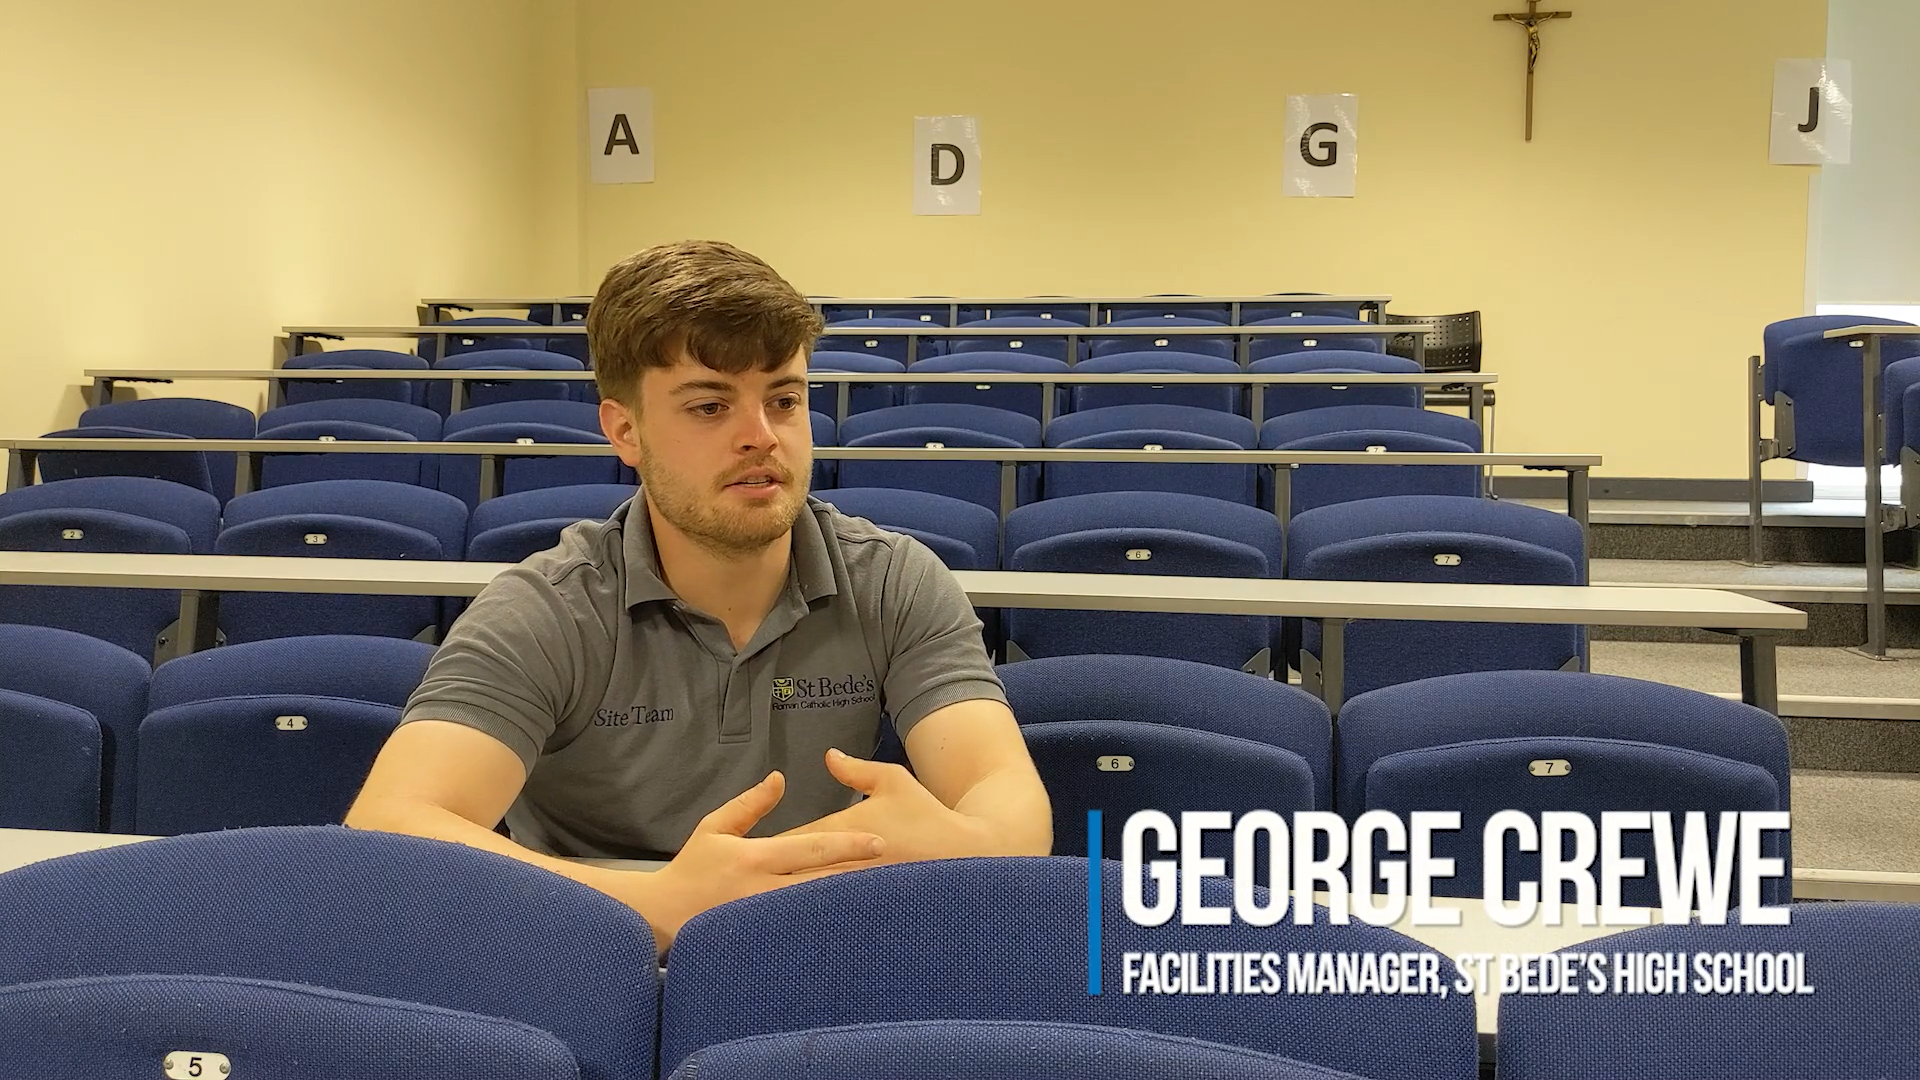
935,655
510,667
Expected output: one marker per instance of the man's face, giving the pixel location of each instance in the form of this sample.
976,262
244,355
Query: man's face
725,459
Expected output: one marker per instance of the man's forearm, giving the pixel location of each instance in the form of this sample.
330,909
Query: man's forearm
635,889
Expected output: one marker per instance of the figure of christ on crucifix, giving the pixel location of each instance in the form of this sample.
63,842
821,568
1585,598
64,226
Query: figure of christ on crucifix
1531,19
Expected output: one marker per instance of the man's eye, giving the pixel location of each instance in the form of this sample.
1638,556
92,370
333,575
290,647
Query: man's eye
711,408
789,402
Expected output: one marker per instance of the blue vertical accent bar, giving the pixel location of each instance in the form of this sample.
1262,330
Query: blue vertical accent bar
1093,902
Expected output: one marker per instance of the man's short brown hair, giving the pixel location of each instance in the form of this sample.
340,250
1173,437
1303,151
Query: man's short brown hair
721,306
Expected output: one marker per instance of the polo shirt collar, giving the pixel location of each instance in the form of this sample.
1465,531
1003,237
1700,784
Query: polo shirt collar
811,567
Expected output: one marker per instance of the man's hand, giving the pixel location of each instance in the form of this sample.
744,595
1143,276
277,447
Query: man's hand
915,824
719,862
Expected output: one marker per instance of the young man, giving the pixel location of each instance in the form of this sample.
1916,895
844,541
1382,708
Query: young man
714,659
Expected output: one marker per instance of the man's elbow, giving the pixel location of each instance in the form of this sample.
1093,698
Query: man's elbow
1032,834
375,813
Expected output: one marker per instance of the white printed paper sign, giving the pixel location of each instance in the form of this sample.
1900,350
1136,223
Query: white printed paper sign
620,135
1323,145
1812,113
946,165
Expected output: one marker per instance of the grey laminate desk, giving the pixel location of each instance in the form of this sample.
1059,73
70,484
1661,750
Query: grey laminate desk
24,454
432,309
297,336
1156,336
1333,603
105,379
1476,383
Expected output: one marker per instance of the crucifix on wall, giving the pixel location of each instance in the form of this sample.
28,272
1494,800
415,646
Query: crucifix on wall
1531,19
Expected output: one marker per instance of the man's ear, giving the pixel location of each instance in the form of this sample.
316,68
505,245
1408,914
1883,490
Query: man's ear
621,428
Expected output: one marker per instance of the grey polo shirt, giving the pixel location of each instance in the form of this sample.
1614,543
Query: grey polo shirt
634,715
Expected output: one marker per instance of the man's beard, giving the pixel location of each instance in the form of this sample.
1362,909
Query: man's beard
700,513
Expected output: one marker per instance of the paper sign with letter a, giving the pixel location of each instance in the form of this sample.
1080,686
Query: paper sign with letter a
620,135
1812,113
946,165
1322,151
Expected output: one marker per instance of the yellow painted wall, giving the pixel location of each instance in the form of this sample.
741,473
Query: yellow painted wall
1641,241
184,178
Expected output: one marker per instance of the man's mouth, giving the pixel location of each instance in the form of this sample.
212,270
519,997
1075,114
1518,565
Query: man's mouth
758,478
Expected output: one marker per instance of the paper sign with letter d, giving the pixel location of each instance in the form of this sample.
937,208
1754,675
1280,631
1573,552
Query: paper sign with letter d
946,165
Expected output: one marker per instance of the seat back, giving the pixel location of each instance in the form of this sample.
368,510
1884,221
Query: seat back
850,314
1286,344
1232,641
1323,485
1901,406
1228,482
49,765
256,616
276,732
457,344
1471,743
1219,424
1284,430
1150,310
1005,1049
1820,381
1858,956
195,418
1237,522
518,541
122,1025
193,512
440,516
1776,334
923,513
1026,399
1280,400
1055,310
133,619
350,912
303,391
103,681
480,393
188,468
1224,397
824,433
885,944
1013,426
578,502
1384,652
1360,518
1296,306
975,482
845,336
934,426
279,470
861,397
421,423
1047,346
350,519
1453,344
1126,733
460,475
1222,347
